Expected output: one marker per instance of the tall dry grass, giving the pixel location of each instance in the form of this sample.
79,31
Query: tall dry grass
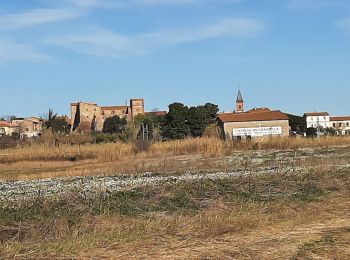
205,146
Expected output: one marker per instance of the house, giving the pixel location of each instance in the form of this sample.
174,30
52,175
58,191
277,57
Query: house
317,119
341,124
8,129
257,122
30,127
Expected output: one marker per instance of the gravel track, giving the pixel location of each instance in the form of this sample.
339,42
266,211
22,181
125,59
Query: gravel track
260,163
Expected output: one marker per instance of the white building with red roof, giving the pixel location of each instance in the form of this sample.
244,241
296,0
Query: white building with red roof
317,119
7,128
341,124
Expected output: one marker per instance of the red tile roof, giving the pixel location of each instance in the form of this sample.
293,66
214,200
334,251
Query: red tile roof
6,124
157,113
317,114
340,118
252,116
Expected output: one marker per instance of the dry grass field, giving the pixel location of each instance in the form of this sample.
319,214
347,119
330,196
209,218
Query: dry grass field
281,199
44,160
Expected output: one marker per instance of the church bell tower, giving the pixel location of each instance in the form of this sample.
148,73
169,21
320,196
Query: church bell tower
239,103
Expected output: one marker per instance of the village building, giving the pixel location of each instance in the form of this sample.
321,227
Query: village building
317,119
7,128
87,117
24,127
257,122
30,127
341,124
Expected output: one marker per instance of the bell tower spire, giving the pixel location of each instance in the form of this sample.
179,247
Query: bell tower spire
239,103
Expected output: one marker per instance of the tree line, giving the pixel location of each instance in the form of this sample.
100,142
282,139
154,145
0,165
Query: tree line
180,122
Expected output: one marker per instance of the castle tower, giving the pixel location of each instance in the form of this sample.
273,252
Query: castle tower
137,106
239,103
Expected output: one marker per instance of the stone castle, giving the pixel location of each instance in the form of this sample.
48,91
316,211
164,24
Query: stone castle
88,116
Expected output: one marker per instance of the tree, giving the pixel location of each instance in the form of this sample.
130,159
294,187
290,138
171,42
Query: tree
311,132
197,120
150,121
211,111
114,125
330,131
182,121
58,124
175,122
297,123
8,118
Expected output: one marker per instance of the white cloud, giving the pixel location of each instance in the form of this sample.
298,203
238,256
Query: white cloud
36,17
10,51
107,43
98,43
224,28
78,8
312,4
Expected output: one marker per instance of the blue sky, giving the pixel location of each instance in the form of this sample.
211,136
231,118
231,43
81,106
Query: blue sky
292,55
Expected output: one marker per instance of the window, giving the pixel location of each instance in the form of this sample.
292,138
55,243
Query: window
347,124
333,124
339,124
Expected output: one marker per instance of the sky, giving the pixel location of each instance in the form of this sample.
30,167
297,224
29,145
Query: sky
291,55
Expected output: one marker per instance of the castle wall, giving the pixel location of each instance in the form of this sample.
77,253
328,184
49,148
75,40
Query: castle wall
86,115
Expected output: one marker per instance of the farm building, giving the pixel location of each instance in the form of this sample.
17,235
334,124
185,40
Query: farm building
257,122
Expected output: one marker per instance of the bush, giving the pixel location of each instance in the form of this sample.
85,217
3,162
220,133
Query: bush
311,132
106,138
330,131
114,125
